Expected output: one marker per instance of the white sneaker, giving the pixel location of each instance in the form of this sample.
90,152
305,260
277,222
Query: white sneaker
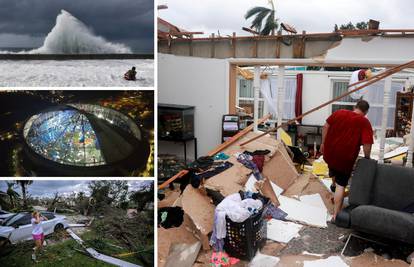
34,257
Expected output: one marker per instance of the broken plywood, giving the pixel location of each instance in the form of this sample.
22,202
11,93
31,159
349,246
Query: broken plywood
229,181
316,186
295,260
280,170
266,189
328,262
166,237
265,142
197,205
282,173
370,259
297,187
272,248
182,255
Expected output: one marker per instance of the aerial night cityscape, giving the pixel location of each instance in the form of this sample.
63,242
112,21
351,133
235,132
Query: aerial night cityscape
76,133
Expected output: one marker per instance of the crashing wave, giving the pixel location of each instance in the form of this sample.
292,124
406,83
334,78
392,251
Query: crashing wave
72,36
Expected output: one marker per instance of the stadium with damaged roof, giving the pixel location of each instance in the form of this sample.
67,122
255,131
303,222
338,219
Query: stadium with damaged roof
83,139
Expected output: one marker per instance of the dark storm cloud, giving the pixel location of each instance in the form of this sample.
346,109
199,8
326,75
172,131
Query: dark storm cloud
65,187
126,21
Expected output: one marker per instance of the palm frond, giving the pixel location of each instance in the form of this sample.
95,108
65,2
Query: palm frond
258,20
253,11
270,25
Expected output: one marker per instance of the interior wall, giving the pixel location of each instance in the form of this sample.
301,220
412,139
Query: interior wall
198,82
316,90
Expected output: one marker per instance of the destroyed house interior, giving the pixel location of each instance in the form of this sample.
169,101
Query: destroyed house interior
248,152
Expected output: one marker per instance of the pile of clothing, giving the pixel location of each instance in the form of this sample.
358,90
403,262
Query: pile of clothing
238,208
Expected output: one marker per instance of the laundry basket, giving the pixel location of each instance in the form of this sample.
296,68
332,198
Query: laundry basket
244,239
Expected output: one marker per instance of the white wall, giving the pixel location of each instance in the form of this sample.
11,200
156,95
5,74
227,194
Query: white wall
198,82
317,90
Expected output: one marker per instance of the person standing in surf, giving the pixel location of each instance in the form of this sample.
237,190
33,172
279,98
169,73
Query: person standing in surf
37,232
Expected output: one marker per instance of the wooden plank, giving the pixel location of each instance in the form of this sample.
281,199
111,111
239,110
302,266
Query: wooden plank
232,88
213,46
233,43
191,46
254,52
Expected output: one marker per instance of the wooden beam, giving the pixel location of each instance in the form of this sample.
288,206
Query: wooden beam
191,46
233,44
232,88
213,46
250,30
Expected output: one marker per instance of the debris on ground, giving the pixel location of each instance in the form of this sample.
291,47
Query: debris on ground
297,217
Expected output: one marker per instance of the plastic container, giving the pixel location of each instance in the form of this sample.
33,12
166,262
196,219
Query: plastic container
244,239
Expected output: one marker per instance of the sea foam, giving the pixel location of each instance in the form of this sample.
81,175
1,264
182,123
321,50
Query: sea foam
72,36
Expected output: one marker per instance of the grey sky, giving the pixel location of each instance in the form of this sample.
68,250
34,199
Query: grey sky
64,187
310,15
25,23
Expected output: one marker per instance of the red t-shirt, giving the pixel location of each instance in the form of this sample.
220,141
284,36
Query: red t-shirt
347,132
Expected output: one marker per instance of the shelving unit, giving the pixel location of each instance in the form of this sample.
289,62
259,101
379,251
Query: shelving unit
230,126
403,113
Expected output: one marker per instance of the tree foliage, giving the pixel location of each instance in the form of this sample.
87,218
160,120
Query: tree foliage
24,184
362,25
143,196
264,19
106,192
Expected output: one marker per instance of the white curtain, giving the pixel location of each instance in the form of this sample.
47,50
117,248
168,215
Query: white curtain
268,89
375,97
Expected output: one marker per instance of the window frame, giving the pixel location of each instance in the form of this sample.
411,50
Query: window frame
391,105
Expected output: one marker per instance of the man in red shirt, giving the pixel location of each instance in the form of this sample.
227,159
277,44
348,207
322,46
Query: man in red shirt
343,134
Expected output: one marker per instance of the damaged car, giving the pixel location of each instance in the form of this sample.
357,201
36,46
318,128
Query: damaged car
4,215
18,228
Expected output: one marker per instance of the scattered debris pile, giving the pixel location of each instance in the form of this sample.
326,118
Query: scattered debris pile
135,233
302,198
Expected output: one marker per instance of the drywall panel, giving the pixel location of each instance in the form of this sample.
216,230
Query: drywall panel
316,90
378,48
198,82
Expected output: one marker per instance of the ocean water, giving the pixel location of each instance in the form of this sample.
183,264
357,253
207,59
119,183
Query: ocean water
63,73
72,36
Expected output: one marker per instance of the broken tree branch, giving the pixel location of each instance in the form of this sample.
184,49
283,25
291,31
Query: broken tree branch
366,83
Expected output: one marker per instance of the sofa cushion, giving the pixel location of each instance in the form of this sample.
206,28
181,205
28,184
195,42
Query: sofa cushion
393,187
382,222
362,182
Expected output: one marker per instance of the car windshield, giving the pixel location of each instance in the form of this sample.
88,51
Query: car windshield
48,215
9,221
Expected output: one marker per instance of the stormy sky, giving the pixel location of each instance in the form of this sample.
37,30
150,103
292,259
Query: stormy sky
310,15
47,188
25,23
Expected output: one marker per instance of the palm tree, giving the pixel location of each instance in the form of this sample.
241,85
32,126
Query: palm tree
23,184
261,14
12,194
